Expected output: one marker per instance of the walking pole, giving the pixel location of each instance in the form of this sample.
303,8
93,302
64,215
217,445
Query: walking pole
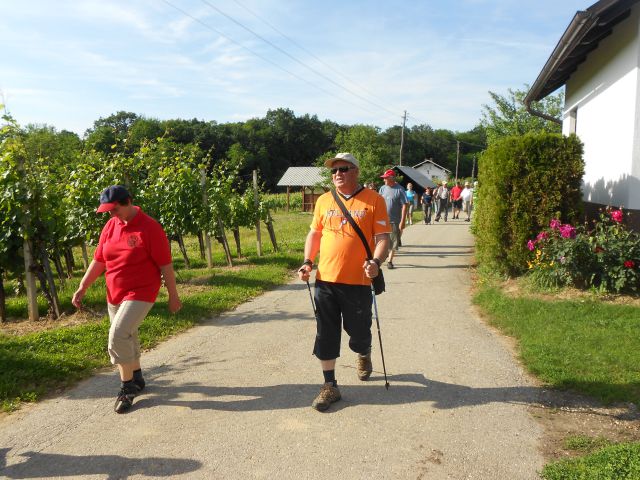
375,310
313,305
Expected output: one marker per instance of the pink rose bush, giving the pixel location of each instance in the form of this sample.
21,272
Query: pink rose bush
605,257
617,216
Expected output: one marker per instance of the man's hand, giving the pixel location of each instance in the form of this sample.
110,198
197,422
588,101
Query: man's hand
371,268
304,272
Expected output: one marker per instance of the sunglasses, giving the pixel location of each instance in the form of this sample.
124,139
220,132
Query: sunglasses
344,169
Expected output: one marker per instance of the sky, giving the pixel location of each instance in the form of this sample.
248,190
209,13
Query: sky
68,63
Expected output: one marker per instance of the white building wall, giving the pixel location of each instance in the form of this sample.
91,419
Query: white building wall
602,104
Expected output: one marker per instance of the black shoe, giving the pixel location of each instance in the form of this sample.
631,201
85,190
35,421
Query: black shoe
390,266
124,401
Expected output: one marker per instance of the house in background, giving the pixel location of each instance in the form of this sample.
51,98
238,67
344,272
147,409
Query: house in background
597,60
310,180
432,170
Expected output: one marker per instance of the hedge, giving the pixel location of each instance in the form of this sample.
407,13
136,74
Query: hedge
524,181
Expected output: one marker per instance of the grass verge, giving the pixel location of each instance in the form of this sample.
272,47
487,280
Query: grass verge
615,462
587,346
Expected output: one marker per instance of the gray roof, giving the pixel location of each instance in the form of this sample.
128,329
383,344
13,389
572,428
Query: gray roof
416,177
302,177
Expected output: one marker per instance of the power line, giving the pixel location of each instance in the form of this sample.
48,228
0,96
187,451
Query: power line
252,52
300,62
308,52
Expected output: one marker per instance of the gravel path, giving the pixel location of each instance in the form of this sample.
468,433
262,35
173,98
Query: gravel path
231,398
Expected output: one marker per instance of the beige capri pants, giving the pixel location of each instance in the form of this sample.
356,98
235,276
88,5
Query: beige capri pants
124,345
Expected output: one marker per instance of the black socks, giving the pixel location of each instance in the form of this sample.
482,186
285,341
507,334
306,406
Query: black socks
330,377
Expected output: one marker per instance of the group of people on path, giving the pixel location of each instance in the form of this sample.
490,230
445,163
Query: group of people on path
436,201
134,254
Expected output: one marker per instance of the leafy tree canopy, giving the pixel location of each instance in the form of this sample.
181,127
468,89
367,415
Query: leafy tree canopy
508,114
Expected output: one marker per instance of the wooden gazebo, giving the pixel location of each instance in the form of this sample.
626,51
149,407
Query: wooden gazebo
310,179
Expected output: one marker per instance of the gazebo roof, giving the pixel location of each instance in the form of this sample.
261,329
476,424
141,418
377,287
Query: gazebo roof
302,177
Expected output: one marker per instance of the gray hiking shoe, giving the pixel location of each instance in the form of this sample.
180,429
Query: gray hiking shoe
364,367
329,394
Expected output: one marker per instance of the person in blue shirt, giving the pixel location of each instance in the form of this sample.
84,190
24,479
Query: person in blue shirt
426,201
396,200
412,198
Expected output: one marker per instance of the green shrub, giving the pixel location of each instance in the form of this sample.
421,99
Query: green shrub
607,257
524,181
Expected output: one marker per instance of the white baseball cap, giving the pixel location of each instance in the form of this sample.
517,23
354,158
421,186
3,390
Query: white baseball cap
346,157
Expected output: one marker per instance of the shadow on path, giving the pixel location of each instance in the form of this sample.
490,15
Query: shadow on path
405,389
50,465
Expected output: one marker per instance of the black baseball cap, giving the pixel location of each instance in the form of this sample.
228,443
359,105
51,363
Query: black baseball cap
111,196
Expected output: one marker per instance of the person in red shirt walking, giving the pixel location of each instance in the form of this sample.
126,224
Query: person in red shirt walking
456,200
134,252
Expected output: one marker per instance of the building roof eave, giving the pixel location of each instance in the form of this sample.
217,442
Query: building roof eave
586,30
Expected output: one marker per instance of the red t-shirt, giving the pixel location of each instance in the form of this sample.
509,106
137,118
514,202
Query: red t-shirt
133,253
455,192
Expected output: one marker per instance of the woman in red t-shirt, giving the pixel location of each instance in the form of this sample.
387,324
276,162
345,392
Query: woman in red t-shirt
134,252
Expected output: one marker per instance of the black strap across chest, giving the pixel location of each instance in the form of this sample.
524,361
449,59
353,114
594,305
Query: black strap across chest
352,222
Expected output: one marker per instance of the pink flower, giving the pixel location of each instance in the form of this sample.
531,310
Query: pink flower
542,236
531,245
554,223
617,216
567,231
629,263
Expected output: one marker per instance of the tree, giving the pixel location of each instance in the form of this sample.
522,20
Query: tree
110,131
509,116
368,146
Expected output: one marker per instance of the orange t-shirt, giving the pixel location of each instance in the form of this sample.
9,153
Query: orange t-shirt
342,253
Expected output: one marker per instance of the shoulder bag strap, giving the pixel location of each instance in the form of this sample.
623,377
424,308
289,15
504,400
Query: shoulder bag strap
353,223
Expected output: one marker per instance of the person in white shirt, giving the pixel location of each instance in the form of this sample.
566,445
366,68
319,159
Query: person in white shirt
467,200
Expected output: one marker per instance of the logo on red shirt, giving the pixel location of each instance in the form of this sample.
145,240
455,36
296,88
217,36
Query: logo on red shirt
133,240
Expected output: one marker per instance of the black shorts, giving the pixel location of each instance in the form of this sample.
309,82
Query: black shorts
457,203
339,304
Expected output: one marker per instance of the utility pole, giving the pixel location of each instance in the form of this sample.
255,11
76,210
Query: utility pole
457,157
404,120
473,168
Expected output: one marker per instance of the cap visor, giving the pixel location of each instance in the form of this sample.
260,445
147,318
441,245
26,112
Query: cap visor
106,207
329,162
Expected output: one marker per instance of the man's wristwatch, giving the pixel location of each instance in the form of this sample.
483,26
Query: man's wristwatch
378,262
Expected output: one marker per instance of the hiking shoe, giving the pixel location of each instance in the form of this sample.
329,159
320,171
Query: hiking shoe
329,394
124,401
364,366
390,266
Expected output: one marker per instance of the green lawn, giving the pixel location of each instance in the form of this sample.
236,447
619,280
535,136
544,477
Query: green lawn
38,363
588,346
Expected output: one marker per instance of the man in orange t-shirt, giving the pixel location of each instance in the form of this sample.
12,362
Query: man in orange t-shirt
343,279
